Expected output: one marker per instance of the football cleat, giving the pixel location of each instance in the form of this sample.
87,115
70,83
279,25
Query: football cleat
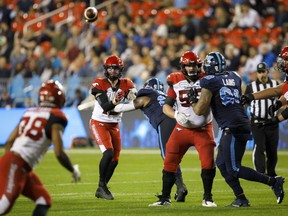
240,203
104,193
278,188
162,202
208,203
181,194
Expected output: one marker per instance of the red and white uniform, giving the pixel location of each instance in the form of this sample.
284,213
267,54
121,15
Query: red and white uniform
33,141
104,125
179,93
197,132
102,85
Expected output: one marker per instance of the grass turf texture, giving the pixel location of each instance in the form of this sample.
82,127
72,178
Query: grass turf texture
136,181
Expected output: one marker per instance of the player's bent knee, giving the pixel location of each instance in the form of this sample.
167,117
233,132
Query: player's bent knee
44,201
4,205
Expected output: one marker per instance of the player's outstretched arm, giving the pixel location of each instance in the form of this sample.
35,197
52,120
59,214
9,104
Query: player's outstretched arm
138,103
62,157
269,92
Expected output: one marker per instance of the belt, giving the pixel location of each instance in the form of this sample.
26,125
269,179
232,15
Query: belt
257,120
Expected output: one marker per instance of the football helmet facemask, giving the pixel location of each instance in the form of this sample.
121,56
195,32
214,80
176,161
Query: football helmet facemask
214,63
282,60
154,83
51,94
113,67
190,65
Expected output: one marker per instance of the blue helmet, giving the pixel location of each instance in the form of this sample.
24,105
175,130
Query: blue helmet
214,63
154,83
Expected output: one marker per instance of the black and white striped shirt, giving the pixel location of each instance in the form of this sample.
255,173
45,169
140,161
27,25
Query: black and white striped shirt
259,108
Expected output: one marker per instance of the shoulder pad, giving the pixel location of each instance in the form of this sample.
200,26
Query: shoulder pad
174,77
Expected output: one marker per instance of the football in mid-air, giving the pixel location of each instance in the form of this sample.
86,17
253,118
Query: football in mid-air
90,14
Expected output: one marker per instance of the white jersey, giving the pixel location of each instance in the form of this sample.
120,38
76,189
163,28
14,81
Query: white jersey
34,134
102,86
178,90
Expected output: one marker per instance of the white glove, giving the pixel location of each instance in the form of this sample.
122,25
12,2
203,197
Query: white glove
76,175
181,118
132,94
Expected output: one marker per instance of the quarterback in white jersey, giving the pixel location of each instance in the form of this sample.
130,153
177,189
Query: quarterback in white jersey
26,146
190,130
104,123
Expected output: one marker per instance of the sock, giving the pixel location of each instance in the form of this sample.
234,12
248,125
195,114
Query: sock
110,170
168,180
252,175
104,164
41,210
241,196
207,176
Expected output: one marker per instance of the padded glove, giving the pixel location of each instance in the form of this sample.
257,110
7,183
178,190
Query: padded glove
193,95
246,99
274,107
181,118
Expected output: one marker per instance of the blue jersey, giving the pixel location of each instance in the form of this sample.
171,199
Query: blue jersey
153,110
225,103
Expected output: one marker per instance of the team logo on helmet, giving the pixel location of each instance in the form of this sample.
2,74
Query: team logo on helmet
214,63
51,94
113,67
191,60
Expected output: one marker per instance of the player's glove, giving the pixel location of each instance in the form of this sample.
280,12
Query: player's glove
132,94
271,121
181,118
119,96
76,175
193,95
247,98
274,107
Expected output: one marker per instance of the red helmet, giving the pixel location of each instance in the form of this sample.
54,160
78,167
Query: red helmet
51,94
282,60
191,59
113,67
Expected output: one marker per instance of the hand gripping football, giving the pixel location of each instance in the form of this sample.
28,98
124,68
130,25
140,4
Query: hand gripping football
90,14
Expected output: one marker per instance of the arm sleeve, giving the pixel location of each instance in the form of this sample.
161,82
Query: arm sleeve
169,101
124,107
104,102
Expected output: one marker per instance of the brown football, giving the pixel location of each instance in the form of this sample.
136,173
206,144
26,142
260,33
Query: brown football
90,14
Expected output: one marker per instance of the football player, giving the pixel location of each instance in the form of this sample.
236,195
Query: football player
190,130
221,90
280,90
27,145
150,99
104,123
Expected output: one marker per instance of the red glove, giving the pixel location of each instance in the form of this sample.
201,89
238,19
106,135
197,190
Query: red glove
118,96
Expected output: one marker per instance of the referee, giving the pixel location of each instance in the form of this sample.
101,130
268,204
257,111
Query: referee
265,137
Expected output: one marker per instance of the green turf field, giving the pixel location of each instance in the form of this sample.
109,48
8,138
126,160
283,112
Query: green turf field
136,181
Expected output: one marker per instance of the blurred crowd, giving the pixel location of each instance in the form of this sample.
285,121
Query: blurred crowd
149,36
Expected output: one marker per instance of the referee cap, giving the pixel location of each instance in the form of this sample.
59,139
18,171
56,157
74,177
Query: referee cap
262,67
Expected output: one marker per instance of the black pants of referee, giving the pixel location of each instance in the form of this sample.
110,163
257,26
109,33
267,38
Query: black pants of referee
265,148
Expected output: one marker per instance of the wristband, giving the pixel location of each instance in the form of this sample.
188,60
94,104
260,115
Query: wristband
284,113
